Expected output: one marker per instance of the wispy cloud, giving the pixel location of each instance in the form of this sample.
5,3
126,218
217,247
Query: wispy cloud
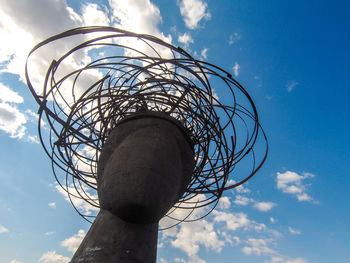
193,11
204,53
242,200
236,68
3,229
79,203
52,204
257,247
291,85
185,39
294,231
234,38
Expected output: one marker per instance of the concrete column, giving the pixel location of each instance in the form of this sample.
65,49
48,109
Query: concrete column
111,239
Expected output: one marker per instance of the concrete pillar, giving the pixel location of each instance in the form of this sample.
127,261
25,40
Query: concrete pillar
111,239
143,170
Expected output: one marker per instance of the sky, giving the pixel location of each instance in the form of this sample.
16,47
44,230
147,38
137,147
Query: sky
291,56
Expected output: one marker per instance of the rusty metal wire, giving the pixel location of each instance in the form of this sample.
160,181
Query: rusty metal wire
122,73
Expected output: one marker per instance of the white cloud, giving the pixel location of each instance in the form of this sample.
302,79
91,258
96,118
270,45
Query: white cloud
204,53
294,231
15,261
291,85
264,206
282,259
94,16
272,220
185,39
230,239
275,259
53,257
196,259
217,231
32,139
140,16
79,203
224,202
193,11
3,229
240,189
242,200
52,204
49,233
12,120
236,68
296,260
257,247
233,38
292,183
72,243
233,221
192,235
179,213
24,23
8,95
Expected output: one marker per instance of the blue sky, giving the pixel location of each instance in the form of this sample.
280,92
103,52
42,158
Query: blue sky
292,57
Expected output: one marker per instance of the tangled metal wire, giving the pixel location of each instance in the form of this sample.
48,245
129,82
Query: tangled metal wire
108,74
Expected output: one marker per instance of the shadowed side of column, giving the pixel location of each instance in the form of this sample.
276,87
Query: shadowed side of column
111,239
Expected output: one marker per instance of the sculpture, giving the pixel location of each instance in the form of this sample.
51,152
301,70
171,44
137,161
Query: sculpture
140,124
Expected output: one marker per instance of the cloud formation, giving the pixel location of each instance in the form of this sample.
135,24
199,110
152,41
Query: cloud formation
3,229
257,247
193,11
12,120
53,257
236,68
73,243
264,206
140,16
292,183
52,204
79,203
185,39
291,85
197,233
294,231
8,95
234,38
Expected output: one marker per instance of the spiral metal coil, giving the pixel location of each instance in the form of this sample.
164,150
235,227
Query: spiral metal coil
125,73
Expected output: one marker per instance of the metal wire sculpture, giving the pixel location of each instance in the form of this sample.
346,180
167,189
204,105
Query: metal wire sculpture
122,73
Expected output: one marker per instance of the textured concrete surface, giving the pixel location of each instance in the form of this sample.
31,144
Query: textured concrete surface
144,168
111,239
